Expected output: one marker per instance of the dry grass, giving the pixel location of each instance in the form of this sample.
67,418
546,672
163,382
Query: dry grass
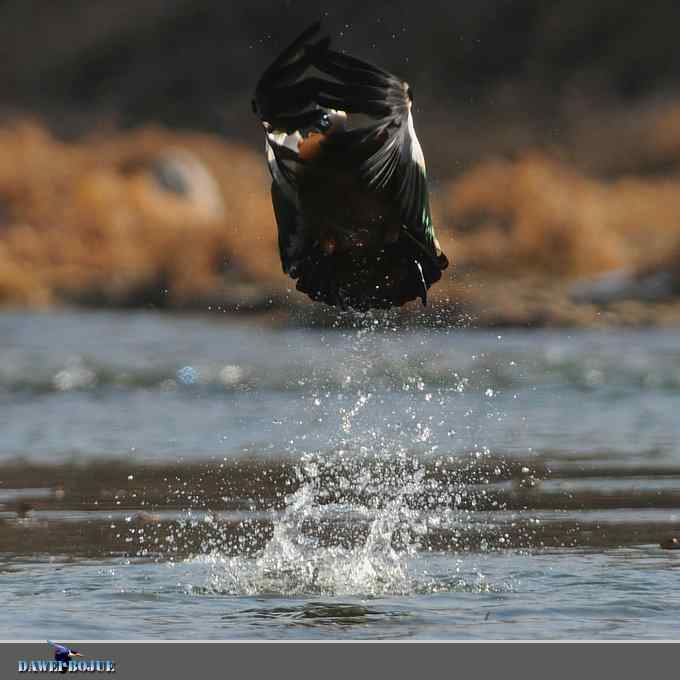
537,215
88,221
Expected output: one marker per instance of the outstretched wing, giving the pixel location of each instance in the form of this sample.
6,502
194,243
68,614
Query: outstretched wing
393,159
282,101
61,649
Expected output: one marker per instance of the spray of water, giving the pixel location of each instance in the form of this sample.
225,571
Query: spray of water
363,507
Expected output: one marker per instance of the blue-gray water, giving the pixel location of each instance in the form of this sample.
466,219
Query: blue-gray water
195,477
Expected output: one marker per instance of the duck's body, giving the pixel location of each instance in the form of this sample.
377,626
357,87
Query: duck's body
350,201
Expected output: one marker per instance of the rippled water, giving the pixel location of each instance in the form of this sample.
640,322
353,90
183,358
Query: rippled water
197,477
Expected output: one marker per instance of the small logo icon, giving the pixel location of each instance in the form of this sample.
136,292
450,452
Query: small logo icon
63,655
66,661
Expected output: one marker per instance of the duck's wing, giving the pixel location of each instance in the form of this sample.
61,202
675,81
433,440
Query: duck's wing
61,649
286,102
283,100
290,228
284,162
391,156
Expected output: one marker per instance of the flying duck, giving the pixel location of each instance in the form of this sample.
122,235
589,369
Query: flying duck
349,187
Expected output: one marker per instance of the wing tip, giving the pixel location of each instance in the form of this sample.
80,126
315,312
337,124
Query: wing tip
301,40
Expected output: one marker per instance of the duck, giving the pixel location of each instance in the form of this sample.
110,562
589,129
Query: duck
349,184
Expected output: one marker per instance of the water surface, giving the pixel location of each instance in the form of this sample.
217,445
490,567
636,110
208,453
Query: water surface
195,477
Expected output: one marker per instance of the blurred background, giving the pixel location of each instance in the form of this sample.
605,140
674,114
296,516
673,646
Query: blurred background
177,420
132,172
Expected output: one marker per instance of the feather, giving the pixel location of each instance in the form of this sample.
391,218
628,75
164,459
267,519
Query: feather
383,158
62,649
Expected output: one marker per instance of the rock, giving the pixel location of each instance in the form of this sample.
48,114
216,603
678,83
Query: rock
623,284
181,173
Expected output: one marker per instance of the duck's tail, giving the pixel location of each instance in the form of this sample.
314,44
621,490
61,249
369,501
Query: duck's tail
397,274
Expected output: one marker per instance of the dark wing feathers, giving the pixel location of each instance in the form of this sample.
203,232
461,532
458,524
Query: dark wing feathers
62,649
272,92
285,104
396,166
387,148
288,220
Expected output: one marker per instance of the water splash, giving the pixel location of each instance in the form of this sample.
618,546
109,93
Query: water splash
360,508
355,526
314,547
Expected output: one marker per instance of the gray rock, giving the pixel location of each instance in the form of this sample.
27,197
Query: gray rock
180,172
624,284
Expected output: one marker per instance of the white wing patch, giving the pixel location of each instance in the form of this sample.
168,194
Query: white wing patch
290,141
416,149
